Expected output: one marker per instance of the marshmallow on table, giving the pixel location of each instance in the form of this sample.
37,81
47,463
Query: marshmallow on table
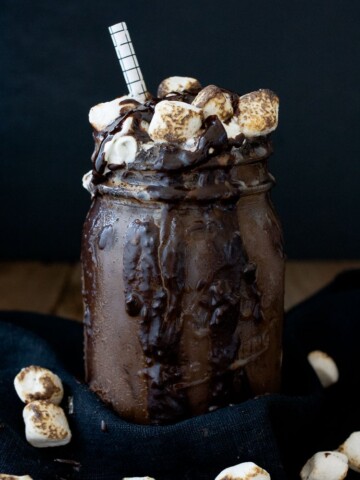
4,476
178,85
351,448
325,466
45,424
38,383
244,471
175,121
214,101
325,367
258,113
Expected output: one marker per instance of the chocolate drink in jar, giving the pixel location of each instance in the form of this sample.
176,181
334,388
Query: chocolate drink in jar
182,253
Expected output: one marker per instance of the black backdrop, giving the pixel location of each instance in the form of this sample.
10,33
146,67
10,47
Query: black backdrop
57,60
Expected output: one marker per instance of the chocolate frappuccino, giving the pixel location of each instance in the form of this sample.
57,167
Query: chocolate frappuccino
182,254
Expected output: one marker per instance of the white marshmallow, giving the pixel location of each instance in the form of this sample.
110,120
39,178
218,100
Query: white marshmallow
258,113
138,478
120,149
4,476
175,121
45,425
214,101
101,115
325,466
87,183
351,448
244,471
325,367
38,383
178,85
232,128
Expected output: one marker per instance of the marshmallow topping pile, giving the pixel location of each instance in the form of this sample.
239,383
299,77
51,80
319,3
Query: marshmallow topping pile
178,120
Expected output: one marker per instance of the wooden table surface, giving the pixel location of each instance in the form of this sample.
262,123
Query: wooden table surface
55,288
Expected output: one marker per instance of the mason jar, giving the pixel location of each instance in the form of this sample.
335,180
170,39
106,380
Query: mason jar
183,282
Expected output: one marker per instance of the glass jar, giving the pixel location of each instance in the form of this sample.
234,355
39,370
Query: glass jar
183,286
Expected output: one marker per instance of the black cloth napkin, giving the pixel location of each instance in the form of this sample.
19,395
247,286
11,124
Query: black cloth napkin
278,432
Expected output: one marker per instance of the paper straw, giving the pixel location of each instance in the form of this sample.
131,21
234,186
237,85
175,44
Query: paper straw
128,61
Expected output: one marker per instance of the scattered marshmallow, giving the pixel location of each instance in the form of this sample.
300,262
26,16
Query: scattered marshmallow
175,121
325,466
178,85
38,383
120,149
351,448
244,471
138,478
4,476
325,367
258,113
45,424
214,101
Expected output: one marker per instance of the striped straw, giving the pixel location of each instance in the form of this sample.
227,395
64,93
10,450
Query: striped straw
128,61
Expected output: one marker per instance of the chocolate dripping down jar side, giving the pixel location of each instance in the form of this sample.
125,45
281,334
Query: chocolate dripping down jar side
183,282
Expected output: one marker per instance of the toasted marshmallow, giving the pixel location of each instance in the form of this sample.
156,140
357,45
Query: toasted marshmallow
232,128
243,471
325,367
175,121
138,478
121,149
45,424
214,101
38,383
351,448
258,113
87,183
4,476
178,85
101,115
325,466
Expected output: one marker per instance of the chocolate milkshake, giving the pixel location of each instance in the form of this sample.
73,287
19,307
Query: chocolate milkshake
182,252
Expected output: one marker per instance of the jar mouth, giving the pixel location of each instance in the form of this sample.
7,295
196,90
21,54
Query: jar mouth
254,150
202,186
224,177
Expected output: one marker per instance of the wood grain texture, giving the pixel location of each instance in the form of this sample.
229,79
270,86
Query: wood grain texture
56,287
32,286
304,278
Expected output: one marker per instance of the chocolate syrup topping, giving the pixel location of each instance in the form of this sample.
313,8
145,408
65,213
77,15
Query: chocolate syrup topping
162,156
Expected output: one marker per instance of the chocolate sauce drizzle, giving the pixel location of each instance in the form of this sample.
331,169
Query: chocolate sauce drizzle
153,280
161,156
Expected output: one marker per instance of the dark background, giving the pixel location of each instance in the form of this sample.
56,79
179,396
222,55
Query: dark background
57,60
